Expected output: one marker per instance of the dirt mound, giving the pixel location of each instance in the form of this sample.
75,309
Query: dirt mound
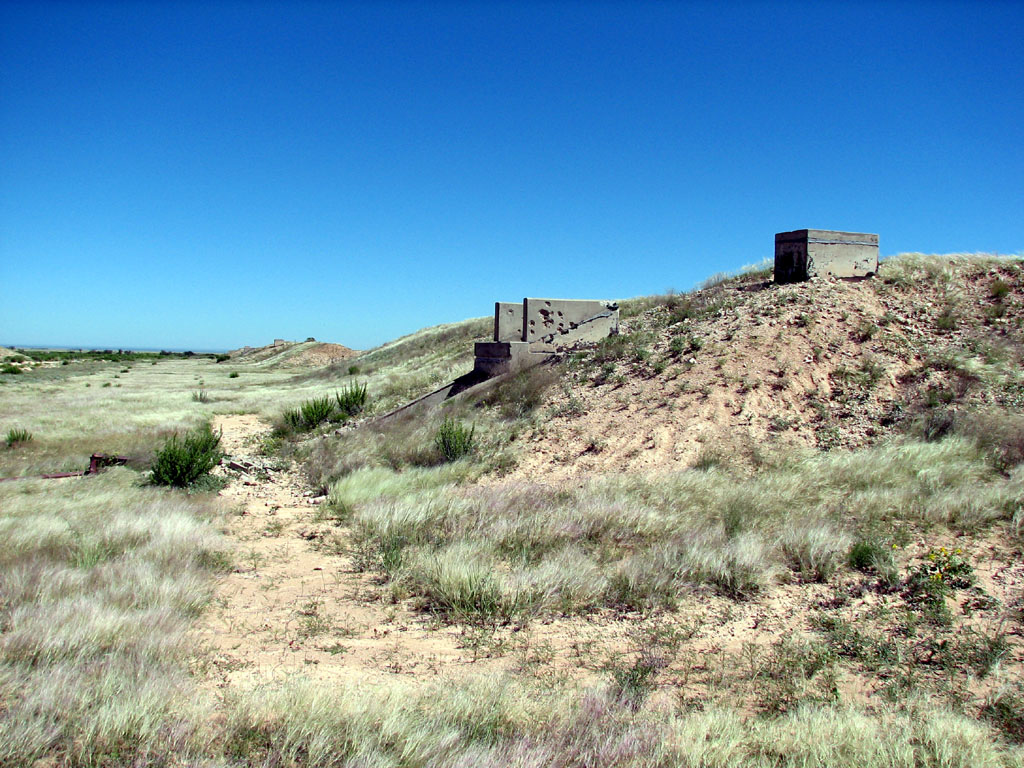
747,367
293,354
318,355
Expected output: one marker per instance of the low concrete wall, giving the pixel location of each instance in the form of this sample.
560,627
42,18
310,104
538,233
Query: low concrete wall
806,253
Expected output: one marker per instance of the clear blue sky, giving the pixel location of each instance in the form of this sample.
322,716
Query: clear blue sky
208,175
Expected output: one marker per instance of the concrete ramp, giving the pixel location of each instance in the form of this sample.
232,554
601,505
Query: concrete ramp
467,383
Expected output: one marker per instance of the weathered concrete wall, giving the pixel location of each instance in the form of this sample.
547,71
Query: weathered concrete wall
806,253
508,321
529,333
548,322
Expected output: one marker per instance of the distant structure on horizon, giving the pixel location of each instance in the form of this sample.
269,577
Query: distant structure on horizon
806,253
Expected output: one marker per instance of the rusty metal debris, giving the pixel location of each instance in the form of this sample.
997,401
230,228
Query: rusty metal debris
97,463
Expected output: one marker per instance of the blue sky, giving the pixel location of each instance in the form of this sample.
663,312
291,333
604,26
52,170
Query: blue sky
208,175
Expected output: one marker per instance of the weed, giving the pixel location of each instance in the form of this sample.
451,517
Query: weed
184,461
351,400
17,436
353,370
201,396
233,375
947,320
940,572
998,289
633,683
316,411
453,440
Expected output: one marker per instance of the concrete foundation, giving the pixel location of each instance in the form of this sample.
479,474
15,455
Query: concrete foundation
806,253
493,358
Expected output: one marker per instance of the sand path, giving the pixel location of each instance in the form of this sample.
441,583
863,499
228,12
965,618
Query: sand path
294,603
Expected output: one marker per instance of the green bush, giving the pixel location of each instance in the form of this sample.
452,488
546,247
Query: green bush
453,440
293,418
316,411
353,370
233,375
351,400
184,460
222,358
16,436
8,368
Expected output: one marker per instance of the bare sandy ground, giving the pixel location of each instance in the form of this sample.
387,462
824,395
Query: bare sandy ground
294,606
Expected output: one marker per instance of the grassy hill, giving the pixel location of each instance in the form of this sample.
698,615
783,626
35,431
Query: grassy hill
762,526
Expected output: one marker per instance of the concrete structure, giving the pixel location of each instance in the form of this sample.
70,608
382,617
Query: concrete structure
508,321
529,333
806,253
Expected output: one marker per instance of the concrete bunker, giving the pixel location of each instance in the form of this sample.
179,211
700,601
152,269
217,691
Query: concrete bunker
530,332
806,253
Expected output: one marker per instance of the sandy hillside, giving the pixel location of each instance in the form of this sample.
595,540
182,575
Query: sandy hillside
825,363
291,354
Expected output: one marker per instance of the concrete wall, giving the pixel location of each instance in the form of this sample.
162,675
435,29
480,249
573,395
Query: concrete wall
548,322
530,332
806,253
508,321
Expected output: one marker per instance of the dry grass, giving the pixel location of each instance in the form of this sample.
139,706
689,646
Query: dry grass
101,578
632,541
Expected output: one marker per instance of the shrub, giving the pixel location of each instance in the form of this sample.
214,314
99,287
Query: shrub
351,400
453,440
316,411
233,375
201,396
222,357
16,436
292,418
353,370
947,321
998,289
8,368
998,433
184,460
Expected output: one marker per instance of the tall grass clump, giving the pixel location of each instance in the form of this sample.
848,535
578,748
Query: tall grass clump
16,436
453,440
316,411
184,460
351,400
